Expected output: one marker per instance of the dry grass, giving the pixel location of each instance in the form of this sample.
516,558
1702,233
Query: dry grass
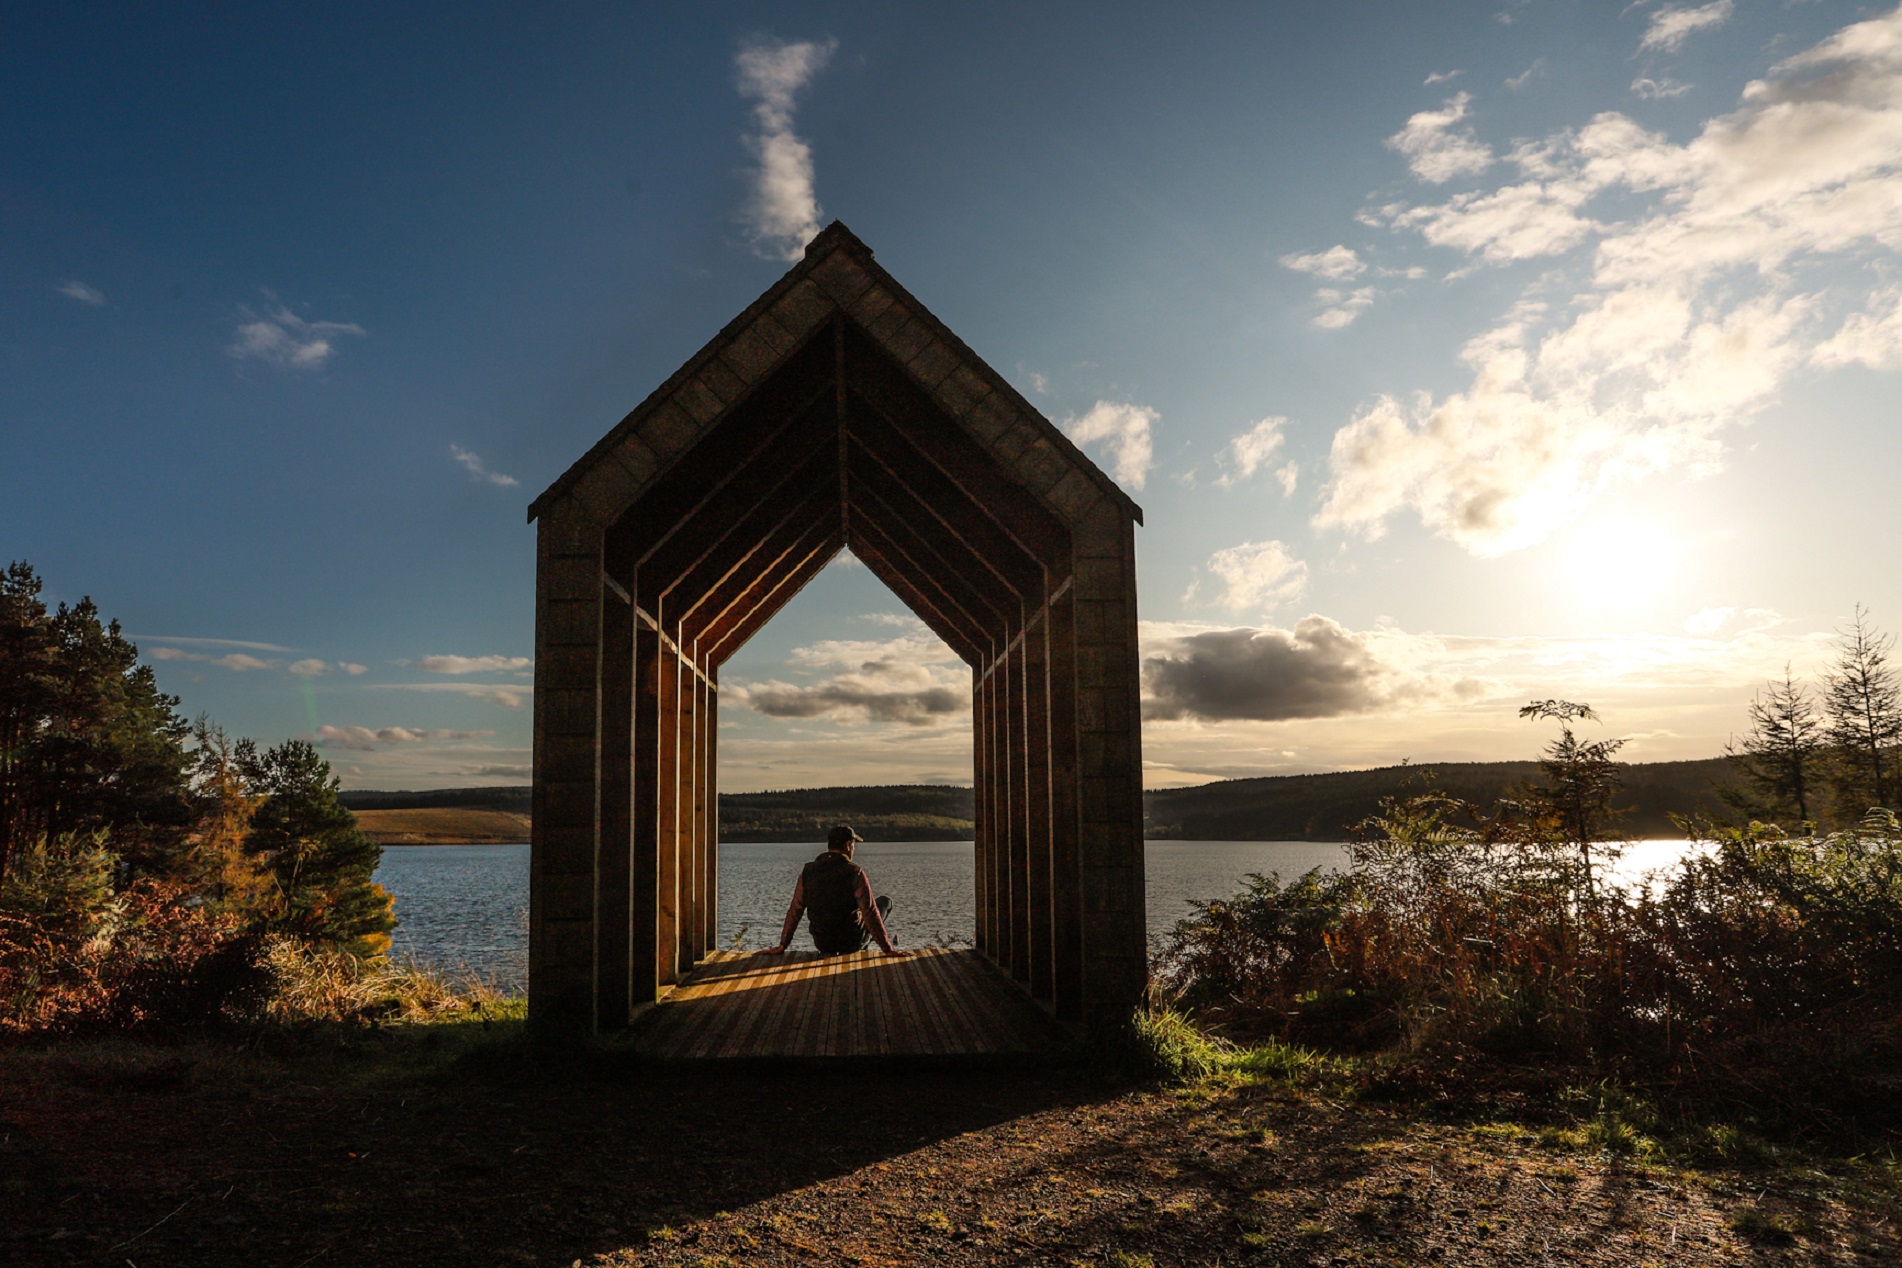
444,825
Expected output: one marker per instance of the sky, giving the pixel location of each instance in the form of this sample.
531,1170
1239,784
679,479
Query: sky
1460,355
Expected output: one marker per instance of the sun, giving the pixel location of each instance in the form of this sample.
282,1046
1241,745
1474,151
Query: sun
1621,563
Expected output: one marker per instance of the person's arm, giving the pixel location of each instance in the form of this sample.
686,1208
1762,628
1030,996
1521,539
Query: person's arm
868,913
793,913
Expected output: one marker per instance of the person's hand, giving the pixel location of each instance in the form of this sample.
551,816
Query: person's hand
770,951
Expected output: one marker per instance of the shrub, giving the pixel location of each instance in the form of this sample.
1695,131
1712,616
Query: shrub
1767,973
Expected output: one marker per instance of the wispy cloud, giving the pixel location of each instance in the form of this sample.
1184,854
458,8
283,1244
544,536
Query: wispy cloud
1524,77
783,212
509,697
1341,306
1249,452
1437,148
472,664
1441,77
477,471
208,642
1672,25
1720,267
1648,89
1123,430
1254,577
309,668
78,290
1337,264
365,740
278,336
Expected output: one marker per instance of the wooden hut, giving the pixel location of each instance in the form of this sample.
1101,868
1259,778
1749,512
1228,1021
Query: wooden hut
834,412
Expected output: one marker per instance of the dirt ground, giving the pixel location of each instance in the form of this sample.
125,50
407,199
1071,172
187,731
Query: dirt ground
388,1151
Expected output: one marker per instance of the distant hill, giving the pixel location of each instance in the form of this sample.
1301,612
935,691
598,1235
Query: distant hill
1271,808
515,799
888,812
1326,807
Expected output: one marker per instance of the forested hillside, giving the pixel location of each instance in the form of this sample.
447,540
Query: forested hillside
1326,807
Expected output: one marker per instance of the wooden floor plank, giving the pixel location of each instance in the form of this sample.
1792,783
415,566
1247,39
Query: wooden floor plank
940,1002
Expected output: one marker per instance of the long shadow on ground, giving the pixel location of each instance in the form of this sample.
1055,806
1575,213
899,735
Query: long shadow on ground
364,1154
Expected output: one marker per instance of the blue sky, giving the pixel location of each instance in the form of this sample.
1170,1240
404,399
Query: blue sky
1459,354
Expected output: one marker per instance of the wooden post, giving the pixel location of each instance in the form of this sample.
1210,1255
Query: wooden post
1037,805
614,856
1017,797
644,970
667,819
1066,863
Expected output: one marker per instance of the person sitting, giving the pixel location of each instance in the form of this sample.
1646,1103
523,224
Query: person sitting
836,895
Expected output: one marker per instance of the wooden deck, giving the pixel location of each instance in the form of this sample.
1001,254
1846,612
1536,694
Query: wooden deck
936,1003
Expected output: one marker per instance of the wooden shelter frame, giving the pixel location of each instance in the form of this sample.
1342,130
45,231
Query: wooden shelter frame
834,412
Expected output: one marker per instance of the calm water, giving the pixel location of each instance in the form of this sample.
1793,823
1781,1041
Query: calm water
465,907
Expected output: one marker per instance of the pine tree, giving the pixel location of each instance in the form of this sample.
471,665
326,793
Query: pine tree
1574,809
319,861
216,862
1862,703
87,740
1778,756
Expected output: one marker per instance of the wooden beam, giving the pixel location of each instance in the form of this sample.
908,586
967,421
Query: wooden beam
875,380
739,591
943,595
772,593
721,454
943,500
899,583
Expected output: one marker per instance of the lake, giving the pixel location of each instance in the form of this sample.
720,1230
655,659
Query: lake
465,907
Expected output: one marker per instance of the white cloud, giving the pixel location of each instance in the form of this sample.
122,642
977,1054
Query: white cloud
1872,338
1123,430
783,213
1435,150
1288,475
1441,77
1525,77
1672,25
76,289
1255,576
1734,258
509,697
364,740
308,668
472,664
479,473
352,670
915,680
1342,307
280,337
1337,263
1249,452
238,662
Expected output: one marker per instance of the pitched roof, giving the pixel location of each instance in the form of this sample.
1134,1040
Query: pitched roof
837,276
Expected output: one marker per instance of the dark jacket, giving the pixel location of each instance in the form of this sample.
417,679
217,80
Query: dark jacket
831,906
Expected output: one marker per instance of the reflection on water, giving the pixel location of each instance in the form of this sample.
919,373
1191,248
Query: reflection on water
465,907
